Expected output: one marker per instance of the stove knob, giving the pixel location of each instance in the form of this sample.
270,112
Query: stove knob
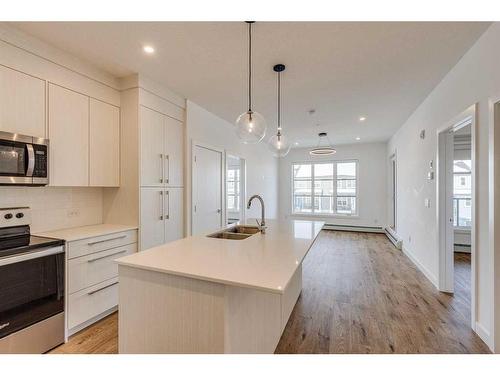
19,215
8,216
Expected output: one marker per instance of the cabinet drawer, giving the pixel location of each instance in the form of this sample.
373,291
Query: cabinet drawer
95,244
90,302
89,270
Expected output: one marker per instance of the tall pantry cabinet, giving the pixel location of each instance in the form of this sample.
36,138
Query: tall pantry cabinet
162,187
151,193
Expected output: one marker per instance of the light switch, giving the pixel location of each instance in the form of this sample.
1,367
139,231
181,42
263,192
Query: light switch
427,202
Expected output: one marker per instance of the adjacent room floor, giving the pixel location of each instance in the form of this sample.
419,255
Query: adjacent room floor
462,299
360,295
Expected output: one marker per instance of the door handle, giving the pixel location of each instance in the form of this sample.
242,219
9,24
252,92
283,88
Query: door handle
31,160
161,168
161,205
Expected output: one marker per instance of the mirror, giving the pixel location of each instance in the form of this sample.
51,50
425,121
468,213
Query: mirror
235,189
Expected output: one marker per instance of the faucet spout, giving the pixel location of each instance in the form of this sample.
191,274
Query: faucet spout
262,224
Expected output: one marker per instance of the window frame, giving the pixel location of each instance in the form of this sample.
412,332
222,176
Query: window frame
335,195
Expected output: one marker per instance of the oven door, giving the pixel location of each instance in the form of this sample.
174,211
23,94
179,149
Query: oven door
17,159
31,288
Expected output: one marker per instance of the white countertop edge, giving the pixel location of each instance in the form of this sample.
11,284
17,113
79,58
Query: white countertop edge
218,280
83,232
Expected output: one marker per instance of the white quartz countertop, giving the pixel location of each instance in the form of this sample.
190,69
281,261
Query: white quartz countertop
87,231
261,261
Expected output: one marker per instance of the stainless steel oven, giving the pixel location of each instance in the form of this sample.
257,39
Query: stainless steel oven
31,286
24,160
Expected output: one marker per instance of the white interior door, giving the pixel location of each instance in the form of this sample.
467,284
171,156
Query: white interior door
207,190
446,210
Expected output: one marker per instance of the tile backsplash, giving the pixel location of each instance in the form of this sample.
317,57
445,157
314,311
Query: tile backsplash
55,207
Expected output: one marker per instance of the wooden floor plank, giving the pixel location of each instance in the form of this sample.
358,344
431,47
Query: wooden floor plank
360,295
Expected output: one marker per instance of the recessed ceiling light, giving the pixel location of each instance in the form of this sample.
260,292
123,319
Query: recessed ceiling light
148,49
362,118
357,138
296,143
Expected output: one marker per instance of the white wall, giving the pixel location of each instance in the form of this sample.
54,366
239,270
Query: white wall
372,179
261,167
475,79
56,208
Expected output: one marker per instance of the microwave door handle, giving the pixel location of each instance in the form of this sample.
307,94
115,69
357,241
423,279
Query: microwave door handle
31,160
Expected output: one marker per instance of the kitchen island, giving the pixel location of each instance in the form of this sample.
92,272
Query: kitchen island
213,295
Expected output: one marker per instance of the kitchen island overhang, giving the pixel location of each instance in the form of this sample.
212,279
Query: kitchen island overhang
208,295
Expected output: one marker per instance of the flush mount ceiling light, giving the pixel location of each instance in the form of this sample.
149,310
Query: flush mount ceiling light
148,49
362,118
278,144
323,150
250,125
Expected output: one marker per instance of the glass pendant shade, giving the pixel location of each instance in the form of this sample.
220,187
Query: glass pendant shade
251,127
279,145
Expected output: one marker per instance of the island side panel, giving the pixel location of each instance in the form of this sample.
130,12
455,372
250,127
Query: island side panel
291,295
252,320
161,313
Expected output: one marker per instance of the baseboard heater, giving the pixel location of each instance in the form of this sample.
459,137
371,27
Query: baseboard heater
394,238
353,228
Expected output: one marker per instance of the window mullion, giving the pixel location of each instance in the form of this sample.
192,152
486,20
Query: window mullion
334,176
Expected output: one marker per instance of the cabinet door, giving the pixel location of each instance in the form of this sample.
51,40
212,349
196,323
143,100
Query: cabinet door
174,151
174,214
22,103
69,137
152,217
152,146
104,155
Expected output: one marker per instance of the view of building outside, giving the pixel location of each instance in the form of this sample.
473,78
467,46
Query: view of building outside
330,186
462,193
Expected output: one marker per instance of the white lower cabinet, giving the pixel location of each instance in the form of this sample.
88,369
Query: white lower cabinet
92,276
162,216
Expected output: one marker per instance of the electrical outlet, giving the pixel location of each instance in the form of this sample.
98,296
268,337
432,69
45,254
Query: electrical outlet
73,213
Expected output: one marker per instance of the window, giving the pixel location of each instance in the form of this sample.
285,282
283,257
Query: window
233,189
327,188
462,193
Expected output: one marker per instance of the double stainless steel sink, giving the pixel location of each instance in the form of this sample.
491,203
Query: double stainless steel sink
237,232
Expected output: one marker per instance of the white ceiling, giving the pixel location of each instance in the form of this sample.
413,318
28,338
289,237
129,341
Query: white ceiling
343,70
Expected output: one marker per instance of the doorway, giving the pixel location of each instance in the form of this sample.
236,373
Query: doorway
456,202
235,189
207,189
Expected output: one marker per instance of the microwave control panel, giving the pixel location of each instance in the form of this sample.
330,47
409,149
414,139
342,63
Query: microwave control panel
41,155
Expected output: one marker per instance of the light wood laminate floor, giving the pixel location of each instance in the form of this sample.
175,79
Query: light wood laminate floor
360,295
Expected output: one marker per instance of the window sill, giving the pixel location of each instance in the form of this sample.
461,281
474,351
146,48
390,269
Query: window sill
337,216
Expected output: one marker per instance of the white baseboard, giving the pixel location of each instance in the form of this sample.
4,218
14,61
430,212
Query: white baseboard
353,228
422,269
484,334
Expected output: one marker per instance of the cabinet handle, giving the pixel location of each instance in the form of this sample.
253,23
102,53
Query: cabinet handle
168,169
161,205
106,256
168,205
104,287
161,168
107,239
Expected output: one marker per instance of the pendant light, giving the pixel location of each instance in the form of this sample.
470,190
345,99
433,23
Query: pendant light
323,150
278,144
250,125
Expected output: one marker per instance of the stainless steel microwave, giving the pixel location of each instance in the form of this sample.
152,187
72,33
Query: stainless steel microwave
24,160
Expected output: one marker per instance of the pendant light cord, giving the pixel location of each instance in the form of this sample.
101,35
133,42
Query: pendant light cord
279,102
249,67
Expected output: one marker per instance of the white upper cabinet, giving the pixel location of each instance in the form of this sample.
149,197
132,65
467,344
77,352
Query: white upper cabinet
104,149
152,125
69,137
22,103
174,141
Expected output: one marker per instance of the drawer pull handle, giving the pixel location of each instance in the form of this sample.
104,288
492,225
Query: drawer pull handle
108,239
104,287
106,256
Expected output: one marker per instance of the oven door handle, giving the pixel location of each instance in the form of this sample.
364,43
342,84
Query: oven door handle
32,255
31,160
